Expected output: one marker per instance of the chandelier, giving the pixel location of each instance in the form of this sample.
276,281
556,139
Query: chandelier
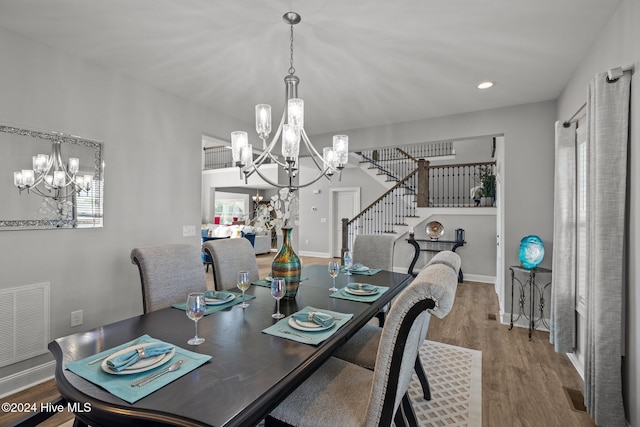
257,198
333,159
50,178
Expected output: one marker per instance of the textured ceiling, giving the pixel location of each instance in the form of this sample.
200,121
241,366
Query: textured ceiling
361,62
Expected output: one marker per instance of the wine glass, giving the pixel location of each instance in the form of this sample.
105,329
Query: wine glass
334,268
278,288
243,285
348,262
195,310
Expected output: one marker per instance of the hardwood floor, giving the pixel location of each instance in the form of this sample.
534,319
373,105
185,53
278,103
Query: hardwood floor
522,380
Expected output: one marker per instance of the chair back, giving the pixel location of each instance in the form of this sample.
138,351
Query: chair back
449,258
168,273
374,250
397,352
228,257
441,278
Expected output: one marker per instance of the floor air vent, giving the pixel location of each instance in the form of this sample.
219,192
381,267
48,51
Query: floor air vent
491,316
576,399
24,322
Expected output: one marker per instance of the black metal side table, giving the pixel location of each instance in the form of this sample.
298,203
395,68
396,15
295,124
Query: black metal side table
433,245
534,285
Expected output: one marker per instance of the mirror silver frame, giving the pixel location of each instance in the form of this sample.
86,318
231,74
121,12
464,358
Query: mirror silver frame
98,176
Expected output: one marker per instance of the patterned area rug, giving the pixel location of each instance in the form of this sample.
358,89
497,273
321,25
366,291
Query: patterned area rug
455,380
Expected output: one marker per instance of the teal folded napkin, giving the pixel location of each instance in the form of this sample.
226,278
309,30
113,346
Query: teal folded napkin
283,328
219,295
344,294
212,308
362,287
129,358
120,385
316,317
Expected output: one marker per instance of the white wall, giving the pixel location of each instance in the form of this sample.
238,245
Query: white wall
152,152
528,164
619,45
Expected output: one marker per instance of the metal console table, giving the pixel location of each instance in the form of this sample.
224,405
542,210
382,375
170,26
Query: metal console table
433,245
534,286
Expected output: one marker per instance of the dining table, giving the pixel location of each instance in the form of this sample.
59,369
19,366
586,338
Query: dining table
249,373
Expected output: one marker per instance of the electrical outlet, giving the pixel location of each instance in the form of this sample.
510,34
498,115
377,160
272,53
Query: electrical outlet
188,230
76,318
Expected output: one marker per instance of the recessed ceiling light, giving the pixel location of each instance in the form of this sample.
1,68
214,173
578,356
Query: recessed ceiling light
485,85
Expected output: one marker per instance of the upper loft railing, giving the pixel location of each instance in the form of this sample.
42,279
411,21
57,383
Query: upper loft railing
219,157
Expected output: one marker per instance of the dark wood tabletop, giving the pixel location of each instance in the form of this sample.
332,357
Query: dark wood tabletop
249,373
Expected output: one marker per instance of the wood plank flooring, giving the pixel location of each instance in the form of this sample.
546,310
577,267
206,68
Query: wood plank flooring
522,380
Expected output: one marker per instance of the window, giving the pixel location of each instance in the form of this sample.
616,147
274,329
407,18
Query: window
228,207
89,212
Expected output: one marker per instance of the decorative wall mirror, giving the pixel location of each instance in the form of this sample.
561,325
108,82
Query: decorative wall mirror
34,196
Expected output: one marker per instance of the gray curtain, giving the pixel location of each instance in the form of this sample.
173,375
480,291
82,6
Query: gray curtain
607,144
563,288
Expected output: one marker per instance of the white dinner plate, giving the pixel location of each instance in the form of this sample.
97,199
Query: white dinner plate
361,292
141,365
308,326
215,301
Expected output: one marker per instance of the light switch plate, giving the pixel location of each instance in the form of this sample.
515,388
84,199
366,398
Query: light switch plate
188,230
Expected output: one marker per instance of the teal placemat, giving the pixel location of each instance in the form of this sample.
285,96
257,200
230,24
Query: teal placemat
341,293
283,330
367,272
267,283
120,385
213,308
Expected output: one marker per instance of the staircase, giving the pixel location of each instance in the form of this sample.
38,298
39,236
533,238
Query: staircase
415,189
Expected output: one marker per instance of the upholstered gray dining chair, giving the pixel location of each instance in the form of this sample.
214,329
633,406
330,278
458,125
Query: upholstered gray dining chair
345,394
374,250
440,277
168,273
228,257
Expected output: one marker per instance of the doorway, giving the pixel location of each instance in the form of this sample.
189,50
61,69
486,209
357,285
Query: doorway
345,203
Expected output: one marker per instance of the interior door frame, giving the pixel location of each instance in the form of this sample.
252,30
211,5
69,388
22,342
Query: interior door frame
500,227
334,222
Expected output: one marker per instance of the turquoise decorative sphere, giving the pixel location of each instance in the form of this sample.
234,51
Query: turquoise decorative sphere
531,251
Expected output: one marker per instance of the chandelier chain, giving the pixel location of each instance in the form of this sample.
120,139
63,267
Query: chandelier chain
292,70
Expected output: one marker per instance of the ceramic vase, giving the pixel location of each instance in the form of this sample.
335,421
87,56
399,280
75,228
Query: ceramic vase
287,264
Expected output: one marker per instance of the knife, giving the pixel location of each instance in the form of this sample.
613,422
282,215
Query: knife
171,368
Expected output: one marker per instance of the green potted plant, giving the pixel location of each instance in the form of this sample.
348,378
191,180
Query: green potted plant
488,186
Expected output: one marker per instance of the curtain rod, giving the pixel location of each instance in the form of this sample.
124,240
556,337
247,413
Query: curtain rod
612,76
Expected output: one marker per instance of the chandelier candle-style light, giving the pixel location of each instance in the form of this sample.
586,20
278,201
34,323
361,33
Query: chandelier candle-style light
332,159
50,177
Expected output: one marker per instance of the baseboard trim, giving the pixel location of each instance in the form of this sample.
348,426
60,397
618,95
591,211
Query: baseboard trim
25,379
577,364
315,254
479,278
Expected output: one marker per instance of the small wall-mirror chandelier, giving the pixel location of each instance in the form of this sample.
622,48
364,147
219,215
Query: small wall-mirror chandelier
50,177
333,159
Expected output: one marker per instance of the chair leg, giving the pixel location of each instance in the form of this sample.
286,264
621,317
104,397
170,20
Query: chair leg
398,419
78,423
422,376
407,410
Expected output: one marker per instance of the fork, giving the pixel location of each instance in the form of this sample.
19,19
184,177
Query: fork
286,331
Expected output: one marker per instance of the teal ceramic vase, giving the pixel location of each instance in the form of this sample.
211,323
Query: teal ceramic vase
287,264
